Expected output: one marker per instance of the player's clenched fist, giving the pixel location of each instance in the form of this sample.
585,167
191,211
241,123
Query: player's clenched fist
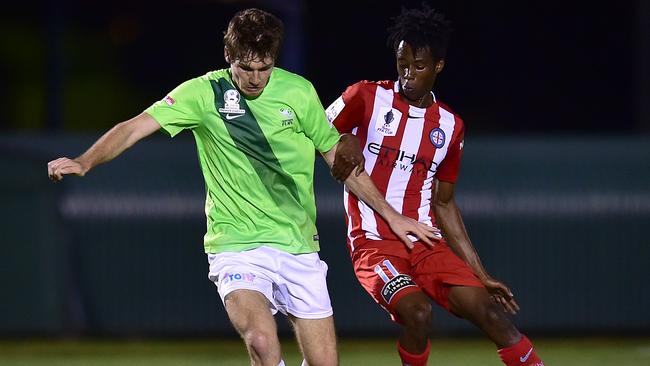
56,169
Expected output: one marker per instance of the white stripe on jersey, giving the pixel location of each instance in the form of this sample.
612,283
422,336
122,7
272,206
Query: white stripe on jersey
447,124
410,143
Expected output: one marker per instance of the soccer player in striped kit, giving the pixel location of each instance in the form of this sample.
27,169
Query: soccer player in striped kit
412,144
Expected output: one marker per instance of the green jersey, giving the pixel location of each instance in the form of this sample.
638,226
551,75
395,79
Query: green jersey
256,155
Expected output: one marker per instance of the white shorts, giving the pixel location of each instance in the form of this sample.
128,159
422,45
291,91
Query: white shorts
293,283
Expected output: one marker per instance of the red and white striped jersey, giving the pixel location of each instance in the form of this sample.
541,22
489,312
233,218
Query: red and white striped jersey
406,149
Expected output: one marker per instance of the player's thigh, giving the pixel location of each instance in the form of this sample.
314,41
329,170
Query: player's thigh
317,340
385,275
468,301
439,271
249,312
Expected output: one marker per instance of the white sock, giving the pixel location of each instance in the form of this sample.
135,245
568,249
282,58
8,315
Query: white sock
304,363
281,363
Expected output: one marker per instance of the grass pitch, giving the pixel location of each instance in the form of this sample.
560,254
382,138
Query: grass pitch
448,352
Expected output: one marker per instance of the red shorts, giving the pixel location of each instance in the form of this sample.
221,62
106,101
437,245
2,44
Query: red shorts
389,271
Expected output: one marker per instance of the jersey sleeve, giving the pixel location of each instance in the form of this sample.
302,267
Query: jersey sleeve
314,122
450,166
346,112
181,109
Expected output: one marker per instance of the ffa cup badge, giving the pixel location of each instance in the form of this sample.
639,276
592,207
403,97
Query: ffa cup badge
231,107
387,121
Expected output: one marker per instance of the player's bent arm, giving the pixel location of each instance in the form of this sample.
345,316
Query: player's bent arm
363,187
450,221
119,138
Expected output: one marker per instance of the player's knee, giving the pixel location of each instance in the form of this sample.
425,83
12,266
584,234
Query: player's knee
495,317
260,342
417,314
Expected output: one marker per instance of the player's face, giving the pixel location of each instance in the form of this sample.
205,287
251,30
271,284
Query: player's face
417,72
252,75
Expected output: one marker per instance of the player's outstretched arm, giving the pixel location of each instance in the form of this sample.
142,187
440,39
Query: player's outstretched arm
362,186
450,221
110,145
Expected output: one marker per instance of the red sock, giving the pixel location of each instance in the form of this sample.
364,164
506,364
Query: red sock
520,354
409,359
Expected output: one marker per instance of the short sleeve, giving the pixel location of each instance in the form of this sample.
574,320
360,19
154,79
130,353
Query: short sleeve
346,112
450,166
314,123
183,108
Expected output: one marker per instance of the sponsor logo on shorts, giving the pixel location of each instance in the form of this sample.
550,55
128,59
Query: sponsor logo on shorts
237,276
395,285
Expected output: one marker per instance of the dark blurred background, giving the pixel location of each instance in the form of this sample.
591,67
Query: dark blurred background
555,186
513,67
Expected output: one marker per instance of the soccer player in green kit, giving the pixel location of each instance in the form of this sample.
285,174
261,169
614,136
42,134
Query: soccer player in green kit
256,128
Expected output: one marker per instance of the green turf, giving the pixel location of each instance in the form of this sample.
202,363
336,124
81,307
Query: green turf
448,352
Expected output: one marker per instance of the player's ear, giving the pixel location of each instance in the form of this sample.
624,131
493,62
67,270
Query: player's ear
226,56
440,65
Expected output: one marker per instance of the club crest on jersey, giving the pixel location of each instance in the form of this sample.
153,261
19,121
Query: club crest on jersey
437,137
387,121
231,106
287,116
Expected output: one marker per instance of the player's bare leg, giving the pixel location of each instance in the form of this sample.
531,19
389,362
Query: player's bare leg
317,340
249,313
414,311
476,305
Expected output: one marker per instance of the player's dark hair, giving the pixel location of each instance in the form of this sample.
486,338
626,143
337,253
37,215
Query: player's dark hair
253,33
421,28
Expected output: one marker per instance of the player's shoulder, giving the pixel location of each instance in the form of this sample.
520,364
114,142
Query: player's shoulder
280,75
445,107
367,87
370,85
457,120
212,75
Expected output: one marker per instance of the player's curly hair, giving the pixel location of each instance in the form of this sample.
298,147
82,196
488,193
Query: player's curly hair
421,28
253,33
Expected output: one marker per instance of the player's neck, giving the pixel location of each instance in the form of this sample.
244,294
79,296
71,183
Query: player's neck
423,102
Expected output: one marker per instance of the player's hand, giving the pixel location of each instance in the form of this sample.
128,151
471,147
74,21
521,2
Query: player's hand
348,156
56,169
402,226
501,294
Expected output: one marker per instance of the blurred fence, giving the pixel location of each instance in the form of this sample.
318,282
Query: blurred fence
119,252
